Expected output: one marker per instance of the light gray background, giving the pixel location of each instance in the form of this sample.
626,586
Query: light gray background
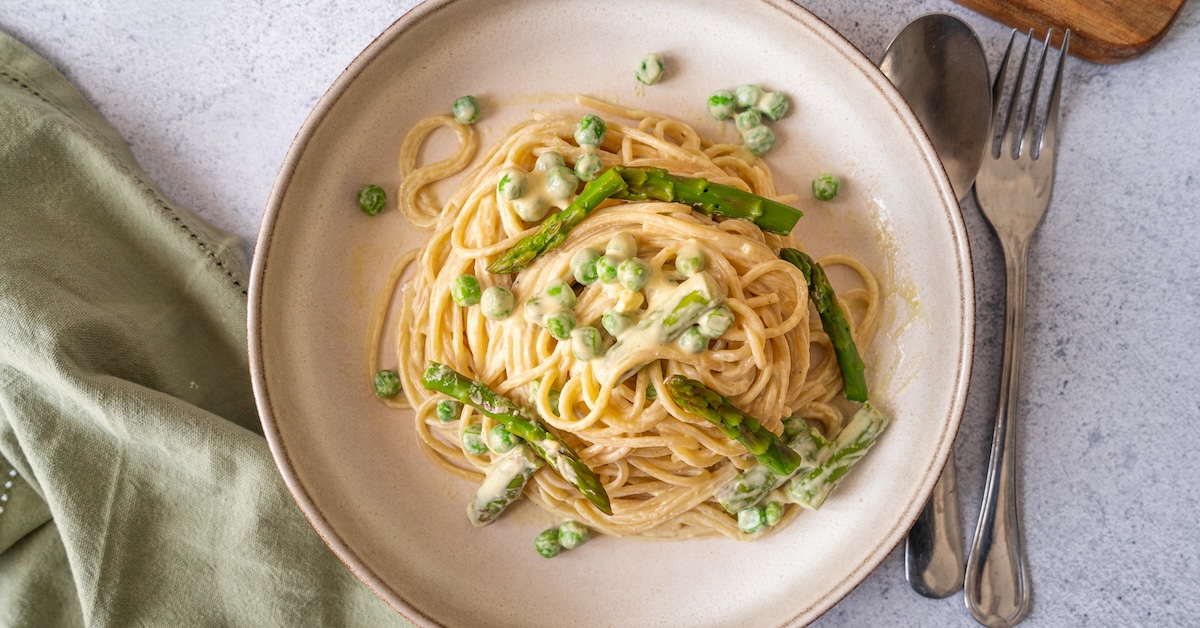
210,94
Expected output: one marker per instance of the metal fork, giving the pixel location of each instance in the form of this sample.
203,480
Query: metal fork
1013,190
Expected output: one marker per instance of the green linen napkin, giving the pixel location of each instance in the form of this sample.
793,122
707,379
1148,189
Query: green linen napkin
137,487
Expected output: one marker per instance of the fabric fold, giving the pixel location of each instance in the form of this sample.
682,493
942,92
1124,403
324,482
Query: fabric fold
145,493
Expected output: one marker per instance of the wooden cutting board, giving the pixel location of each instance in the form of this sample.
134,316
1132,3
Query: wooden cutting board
1105,31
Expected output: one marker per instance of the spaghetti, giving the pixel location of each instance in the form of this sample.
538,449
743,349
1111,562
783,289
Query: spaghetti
659,465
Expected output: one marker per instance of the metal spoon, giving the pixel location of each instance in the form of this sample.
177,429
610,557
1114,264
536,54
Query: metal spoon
939,67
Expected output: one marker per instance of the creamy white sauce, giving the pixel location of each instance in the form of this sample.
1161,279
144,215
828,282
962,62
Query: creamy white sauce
501,473
542,307
554,453
550,446
650,332
539,198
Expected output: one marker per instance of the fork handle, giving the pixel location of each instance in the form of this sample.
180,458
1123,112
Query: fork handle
997,586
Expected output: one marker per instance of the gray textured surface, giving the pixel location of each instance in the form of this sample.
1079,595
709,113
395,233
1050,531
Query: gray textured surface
210,94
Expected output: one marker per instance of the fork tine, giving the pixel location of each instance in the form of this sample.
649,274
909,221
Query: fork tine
1050,135
1001,74
1008,139
1031,111
997,94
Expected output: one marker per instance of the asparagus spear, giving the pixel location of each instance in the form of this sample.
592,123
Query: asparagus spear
646,183
554,229
750,486
696,398
710,199
521,423
505,481
833,321
810,489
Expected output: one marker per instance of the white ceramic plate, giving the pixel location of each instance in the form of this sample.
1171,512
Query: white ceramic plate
353,465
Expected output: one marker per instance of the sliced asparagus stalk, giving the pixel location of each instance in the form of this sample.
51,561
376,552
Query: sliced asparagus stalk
521,423
833,321
505,481
750,486
810,489
698,399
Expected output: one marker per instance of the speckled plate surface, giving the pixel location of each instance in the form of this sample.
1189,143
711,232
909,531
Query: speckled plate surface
353,464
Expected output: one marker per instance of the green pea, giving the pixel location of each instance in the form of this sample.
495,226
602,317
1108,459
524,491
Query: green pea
650,69
722,104
561,325
760,139
634,273
497,303
591,131
547,543
548,161
622,246
772,513
693,341
747,120
606,268
472,440
465,291
651,393
560,292
387,384
752,519
588,166
689,265
512,184
583,266
531,208
553,396
500,439
466,110
535,310
748,95
715,322
825,187
561,182
615,322
572,534
792,427
773,105
586,343
372,199
448,410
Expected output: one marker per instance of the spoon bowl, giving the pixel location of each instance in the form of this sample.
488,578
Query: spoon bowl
938,65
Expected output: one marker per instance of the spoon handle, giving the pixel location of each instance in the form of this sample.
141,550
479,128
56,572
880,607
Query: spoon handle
933,551
997,590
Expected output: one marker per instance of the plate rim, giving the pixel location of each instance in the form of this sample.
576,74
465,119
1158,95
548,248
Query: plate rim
801,18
